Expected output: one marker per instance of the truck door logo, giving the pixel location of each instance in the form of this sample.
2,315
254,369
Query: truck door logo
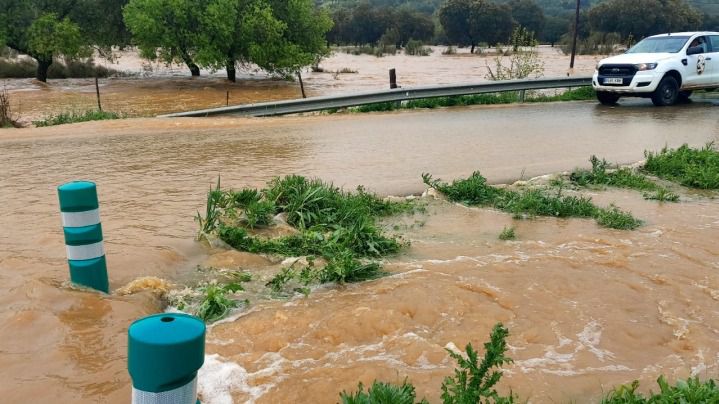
701,64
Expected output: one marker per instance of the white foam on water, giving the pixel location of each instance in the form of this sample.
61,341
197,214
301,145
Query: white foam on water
218,379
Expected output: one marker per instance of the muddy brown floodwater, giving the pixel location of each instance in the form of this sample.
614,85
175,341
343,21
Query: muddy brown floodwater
157,88
587,307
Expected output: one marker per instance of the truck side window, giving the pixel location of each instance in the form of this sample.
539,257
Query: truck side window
700,41
714,43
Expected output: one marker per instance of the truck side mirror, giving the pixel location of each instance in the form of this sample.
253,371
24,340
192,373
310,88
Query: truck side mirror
695,50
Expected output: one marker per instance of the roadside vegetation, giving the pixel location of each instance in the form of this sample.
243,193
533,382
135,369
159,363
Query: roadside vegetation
474,381
74,117
338,232
474,191
621,177
694,168
511,97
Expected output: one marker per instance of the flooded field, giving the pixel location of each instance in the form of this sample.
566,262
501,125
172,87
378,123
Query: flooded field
586,307
157,88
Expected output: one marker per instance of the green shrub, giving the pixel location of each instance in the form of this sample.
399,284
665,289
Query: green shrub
416,48
382,393
688,391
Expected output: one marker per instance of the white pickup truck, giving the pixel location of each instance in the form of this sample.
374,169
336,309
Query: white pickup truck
665,68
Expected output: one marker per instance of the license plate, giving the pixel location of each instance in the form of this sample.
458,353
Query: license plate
614,80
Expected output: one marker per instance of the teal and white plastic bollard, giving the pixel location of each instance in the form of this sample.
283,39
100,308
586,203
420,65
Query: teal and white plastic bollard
83,234
164,353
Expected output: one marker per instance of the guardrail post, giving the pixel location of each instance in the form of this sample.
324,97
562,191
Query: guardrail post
521,95
80,213
392,78
164,353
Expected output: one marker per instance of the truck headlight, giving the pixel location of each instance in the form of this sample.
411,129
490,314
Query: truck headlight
645,66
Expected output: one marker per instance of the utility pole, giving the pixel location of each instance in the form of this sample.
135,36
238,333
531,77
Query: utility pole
576,33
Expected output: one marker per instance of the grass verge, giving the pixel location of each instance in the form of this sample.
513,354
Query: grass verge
530,202
600,174
695,168
582,93
74,117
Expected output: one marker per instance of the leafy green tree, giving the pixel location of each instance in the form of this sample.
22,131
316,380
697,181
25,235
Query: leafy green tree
554,28
642,18
528,14
302,42
412,24
237,32
46,29
168,30
468,22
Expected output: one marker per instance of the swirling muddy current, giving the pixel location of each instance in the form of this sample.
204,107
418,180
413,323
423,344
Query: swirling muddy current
587,307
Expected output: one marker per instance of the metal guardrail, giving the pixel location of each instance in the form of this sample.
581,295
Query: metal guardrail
399,94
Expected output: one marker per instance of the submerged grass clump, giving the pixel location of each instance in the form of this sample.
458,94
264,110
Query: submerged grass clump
600,174
533,202
73,117
340,227
508,233
695,168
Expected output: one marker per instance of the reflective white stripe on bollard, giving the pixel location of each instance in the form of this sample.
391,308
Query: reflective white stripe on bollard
80,219
85,252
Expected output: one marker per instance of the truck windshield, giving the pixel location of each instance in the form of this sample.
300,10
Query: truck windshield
662,44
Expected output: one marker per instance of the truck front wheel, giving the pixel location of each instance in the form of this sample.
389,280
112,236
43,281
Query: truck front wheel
606,98
666,93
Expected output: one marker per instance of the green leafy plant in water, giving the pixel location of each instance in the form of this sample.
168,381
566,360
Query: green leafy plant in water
687,391
507,233
215,303
382,393
614,218
474,381
695,168
212,211
259,213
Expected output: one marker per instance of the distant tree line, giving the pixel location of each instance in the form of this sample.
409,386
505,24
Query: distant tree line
279,36
283,36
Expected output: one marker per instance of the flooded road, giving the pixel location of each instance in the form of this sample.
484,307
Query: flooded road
586,307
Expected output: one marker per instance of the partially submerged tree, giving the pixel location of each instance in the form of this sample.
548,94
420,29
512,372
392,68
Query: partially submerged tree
238,32
469,22
42,30
168,30
303,41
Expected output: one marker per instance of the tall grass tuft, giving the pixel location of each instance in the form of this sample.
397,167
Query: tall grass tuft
533,202
695,168
382,393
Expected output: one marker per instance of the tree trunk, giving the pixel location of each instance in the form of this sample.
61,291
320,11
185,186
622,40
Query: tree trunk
194,69
302,85
472,50
43,65
231,71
